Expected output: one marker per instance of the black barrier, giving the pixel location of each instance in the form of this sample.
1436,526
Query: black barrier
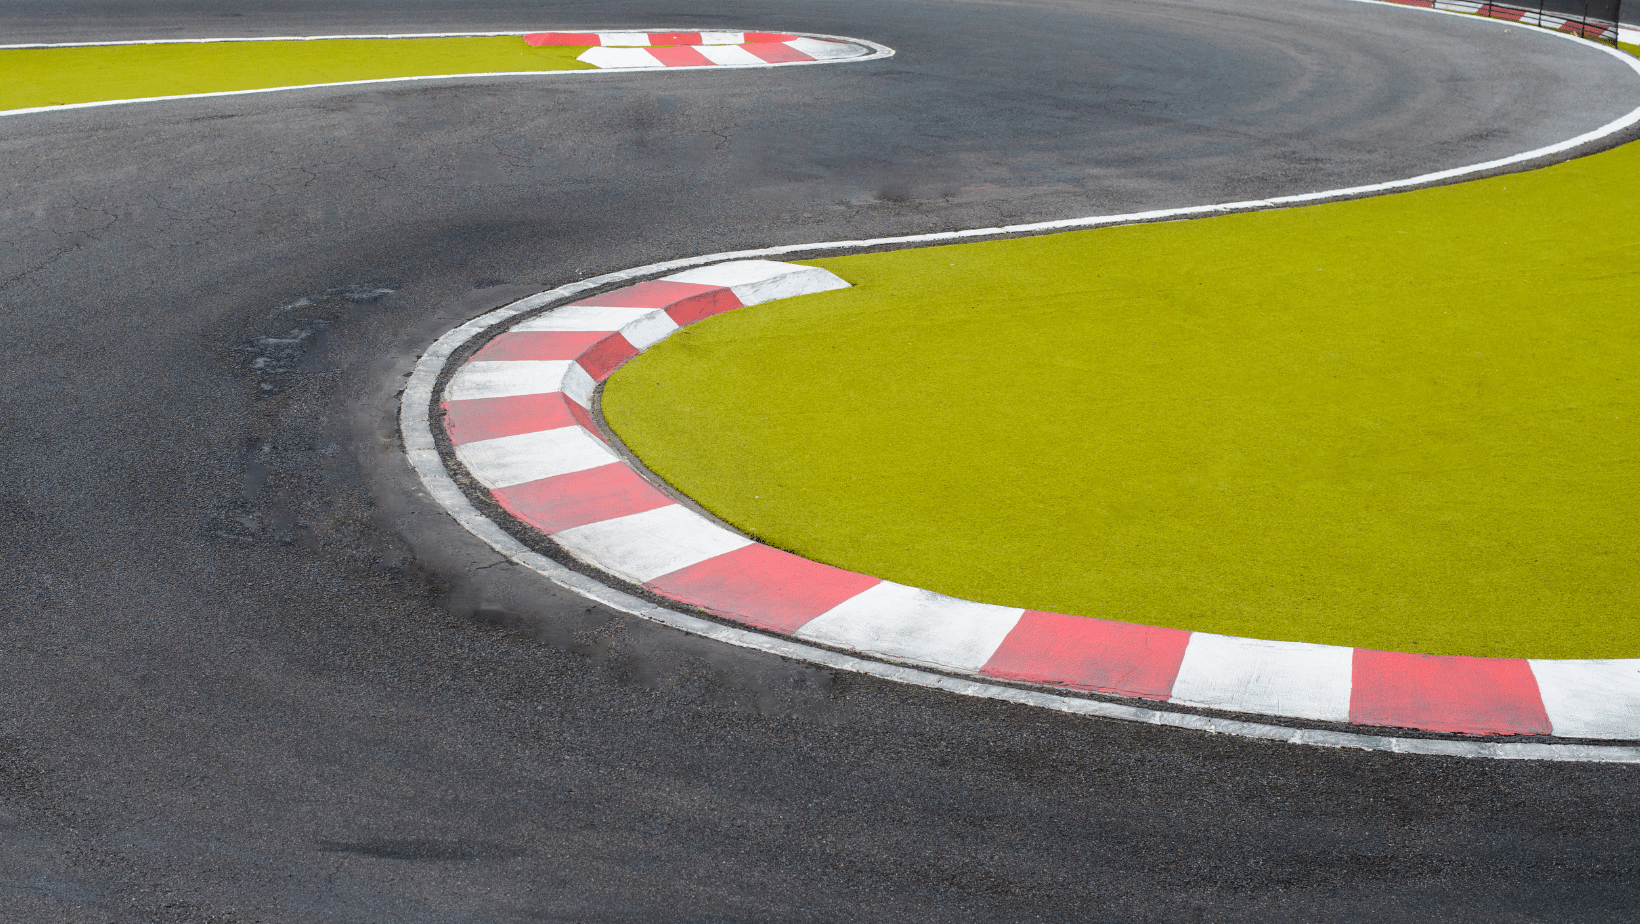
1593,19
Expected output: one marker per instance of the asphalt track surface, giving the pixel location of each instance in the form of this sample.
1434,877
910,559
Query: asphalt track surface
247,675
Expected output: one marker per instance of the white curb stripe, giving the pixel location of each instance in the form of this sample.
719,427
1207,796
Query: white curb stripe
580,386
1292,679
729,55
603,57
758,281
509,378
649,330
644,546
585,318
823,51
509,460
915,625
1591,699
627,39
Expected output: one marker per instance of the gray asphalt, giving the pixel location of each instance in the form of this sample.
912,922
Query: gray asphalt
248,674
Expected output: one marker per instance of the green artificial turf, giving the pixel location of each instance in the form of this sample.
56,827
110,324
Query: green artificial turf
1406,422
83,74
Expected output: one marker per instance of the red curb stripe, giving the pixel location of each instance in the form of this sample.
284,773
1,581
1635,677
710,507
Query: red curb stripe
1091,654
1590,30
607,356
776,53
681,56
764,587
755,38
1426,4
563,38
657,293
1446,693
687,311
539,344
491,418
674,38
589,496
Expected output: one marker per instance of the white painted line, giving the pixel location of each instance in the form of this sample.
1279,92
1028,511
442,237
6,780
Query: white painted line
729,55
757,281
1592,698
644,546
649,330
509,460
1270,678
606,57
585,317
508,379
1628,35
915,625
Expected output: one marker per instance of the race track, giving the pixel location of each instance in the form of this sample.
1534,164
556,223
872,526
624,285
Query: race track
250,674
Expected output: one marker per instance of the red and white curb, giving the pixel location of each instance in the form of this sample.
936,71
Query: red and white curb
1527,17
517,414
756,49
628,50
559,476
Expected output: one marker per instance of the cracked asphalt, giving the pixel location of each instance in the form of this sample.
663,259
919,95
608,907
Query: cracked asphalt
248,674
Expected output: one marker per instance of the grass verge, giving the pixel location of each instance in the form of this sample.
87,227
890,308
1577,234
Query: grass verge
1407,422
84,74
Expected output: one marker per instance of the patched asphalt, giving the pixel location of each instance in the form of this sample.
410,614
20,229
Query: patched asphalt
250,674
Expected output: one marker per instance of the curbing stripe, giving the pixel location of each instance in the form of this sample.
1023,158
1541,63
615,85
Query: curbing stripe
514,460
1591,699
643,546
764,587
1472,696
507,379
627,56
681,56
647,39
1084,653
1293,679
730,55
488,418
603,359
618,58
777,53
579,498
915,625
582,316
539,344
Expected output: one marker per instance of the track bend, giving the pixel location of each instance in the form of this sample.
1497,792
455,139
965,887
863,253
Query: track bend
251,676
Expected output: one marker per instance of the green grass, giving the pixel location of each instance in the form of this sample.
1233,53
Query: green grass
55,76
1406,422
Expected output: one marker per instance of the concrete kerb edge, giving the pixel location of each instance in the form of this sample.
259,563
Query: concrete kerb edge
421,450
876,52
